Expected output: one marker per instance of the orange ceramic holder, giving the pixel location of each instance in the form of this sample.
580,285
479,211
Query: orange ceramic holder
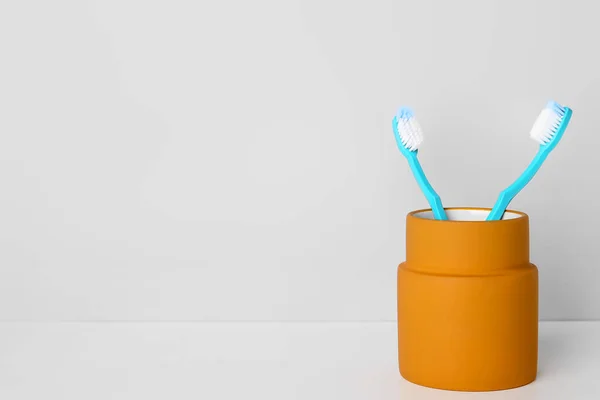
467,301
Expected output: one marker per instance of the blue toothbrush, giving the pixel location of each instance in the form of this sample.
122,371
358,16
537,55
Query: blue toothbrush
409,136
547,131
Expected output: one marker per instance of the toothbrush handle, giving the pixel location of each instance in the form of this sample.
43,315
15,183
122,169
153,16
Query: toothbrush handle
510,192
432,197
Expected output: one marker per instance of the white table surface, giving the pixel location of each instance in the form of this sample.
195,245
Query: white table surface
263,361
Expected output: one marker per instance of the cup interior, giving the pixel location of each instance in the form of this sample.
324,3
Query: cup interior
466,215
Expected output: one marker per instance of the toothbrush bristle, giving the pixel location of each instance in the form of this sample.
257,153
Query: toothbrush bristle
547,123
409,129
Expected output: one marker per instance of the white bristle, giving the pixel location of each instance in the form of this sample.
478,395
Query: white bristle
547,123
410,133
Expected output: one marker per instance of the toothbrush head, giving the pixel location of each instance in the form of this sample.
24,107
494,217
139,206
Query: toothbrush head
551,124
407,130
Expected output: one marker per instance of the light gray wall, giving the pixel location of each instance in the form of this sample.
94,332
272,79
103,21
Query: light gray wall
233,160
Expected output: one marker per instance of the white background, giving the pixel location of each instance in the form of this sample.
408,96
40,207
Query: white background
233,160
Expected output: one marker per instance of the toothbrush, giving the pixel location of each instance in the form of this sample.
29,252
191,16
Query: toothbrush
547,131
409,136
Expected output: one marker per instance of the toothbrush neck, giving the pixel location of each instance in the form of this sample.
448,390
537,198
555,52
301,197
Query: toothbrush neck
543,153
546,149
